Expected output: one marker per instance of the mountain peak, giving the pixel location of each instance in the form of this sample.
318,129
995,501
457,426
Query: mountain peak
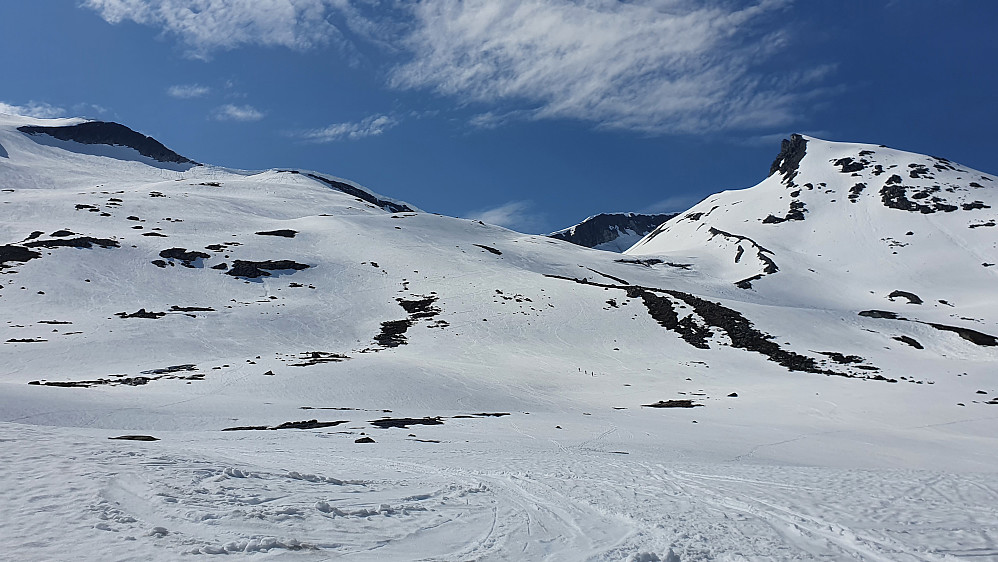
792,151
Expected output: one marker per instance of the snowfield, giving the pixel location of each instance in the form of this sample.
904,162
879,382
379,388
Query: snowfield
284,365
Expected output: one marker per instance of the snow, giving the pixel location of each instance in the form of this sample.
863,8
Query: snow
794,466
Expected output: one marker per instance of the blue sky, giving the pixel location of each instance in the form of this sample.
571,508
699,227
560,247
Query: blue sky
532,114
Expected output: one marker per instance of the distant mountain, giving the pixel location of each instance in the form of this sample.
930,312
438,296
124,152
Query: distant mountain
614,232
111,134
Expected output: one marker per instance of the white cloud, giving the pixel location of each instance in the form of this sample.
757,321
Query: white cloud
515,215
229,112
371,126
654,66
188,91
33,109
650,65
206,25
673,204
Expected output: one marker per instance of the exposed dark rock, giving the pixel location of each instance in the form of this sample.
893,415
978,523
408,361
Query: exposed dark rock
253,269
972,336
608,276
747,282
912,297
81,242
881,314
419,308
186,258
307,424
792,151
919,171
361,194
848,165
141,313
974,205
113,134
645,262
176,308
489,248
894,195
661,310
607,227
366,440
159,263
796,213
842,359
855,191
682,403
10,253
310,358
393,333
135,438
404,423
910,341
286,233
172,369
221,266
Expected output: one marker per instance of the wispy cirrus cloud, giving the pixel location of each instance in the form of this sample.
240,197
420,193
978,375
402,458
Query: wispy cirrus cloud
370,126
207,25
230,112
515,215
651,66
33,109
645,65
187,91
673,204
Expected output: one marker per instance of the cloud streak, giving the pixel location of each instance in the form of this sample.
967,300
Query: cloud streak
651,66
188,91
207,25
515,215
229,112
33,109
370,126
646,65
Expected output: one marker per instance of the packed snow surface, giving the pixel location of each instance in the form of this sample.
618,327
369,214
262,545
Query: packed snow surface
205,361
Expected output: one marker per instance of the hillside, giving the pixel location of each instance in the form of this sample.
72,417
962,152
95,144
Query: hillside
327,371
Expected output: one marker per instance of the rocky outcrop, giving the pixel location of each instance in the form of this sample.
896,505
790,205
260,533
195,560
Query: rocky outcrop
112,134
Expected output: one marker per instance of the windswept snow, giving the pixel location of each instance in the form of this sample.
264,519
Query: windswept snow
318,374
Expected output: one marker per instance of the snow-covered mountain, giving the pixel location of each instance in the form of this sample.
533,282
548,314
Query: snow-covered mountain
853,227
614,232
327,372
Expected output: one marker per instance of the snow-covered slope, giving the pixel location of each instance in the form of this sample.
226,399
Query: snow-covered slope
613,232
328,375
852,227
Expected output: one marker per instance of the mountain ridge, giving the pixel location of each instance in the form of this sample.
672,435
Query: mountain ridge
202,361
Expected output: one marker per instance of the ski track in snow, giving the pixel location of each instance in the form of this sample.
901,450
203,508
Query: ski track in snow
302,498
